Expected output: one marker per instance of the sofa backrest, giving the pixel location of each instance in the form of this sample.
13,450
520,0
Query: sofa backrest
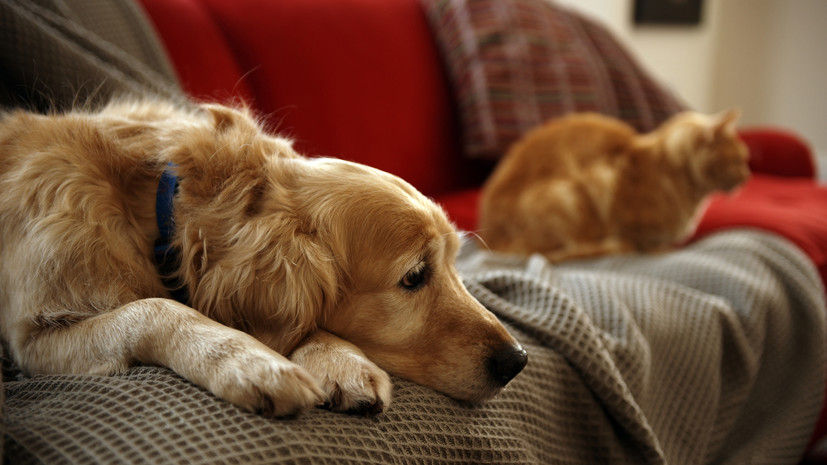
355,79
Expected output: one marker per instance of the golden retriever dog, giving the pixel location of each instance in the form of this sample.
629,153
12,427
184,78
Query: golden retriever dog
307,280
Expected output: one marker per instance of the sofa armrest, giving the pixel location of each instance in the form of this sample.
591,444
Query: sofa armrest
778,152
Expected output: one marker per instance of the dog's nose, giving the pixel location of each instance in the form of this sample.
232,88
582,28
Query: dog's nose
506,363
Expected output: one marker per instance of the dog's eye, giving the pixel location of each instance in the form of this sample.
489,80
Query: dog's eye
415,278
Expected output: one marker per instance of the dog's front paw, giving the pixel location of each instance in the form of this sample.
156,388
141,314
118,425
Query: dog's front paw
358,386
351,382
265,383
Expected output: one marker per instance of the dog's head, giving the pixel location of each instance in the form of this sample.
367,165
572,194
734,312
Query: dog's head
277,244
402,301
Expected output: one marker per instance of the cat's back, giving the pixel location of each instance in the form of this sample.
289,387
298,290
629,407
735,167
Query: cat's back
581,138
562,147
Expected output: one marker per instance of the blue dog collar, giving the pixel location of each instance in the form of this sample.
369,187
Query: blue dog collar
167,188
167,258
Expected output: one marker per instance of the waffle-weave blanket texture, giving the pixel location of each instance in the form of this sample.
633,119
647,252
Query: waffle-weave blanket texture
711,354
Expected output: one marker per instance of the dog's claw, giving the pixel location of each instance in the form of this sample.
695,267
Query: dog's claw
362,408
366,408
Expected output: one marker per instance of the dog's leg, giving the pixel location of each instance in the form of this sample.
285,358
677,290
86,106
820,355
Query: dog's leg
352,383
231,364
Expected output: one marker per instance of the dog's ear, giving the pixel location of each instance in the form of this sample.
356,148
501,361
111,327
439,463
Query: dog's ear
271,277
222,160
223,117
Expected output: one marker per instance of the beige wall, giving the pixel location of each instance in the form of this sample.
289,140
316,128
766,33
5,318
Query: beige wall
679,56
768,57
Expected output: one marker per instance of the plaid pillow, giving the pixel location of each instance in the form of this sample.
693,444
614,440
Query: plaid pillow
517,63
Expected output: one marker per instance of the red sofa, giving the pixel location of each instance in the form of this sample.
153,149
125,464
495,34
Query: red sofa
365,80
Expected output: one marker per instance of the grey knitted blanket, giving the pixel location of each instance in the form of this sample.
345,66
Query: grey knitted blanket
711,354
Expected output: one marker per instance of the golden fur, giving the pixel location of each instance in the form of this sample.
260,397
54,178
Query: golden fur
336,265
589,184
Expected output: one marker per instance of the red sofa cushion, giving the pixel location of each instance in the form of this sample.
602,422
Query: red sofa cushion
205,64
795,208
355,79
778,152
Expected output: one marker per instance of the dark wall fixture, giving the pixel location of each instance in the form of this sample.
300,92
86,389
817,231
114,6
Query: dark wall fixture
668,12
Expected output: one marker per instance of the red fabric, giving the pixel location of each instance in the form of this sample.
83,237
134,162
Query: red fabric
778,152
195,43
795,208
461,207
356,79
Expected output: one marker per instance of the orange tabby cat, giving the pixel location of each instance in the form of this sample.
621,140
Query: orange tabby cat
589,184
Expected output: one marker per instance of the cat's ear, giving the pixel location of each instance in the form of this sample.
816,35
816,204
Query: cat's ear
724,123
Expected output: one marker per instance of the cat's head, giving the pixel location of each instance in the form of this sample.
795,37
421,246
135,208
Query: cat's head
708,147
